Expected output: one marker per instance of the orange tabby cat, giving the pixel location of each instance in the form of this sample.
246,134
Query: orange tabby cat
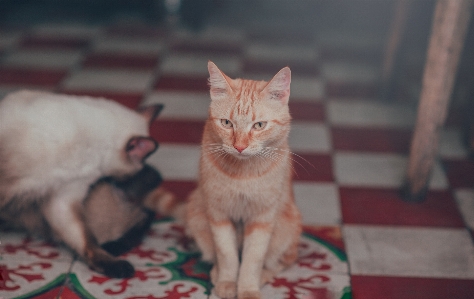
244,201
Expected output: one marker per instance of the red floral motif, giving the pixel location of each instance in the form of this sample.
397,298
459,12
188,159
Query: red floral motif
189,269
9,284
171,294
307,261
38,250
157,256
293,287
123,284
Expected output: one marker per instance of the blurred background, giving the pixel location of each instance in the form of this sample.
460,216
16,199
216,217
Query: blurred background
364,23
351,125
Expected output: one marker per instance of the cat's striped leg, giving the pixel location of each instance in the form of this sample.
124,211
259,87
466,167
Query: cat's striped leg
257,237
197,226
225,241
283,248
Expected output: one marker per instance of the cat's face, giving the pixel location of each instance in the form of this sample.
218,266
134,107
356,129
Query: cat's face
249,117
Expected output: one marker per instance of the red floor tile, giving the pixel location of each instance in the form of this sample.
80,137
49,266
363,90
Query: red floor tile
175,131
371,140
112,60
351,90
372,287
385,207
307,111
54,42
460,173
300,68
23,76
131,101
182,83
180,188
312,167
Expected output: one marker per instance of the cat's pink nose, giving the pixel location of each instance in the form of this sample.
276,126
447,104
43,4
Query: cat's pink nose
240,148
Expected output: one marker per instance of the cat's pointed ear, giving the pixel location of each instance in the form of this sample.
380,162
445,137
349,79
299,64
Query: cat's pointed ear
138,148
279,87
150,112
218,81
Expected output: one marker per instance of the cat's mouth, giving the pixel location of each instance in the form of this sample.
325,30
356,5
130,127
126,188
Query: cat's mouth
242,155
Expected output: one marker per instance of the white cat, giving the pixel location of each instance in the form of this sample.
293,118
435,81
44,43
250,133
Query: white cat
53,147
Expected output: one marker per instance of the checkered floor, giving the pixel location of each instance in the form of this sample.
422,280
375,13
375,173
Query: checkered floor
361,240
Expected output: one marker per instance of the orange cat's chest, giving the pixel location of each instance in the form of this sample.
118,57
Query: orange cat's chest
241,199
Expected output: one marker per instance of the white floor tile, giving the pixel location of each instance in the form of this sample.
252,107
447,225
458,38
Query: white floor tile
106,80
181,105
409,251
67,30
9,39
370,113
283,53
309,137
378,170
349,40
318,203
212,34
188,64
308,88
128,45
451,144
350,72
176,162
43,59
465,200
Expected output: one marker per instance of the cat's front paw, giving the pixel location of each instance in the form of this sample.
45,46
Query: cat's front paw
118,269
249,295
226,289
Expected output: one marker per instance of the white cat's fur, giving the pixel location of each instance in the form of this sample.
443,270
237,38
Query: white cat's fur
53,147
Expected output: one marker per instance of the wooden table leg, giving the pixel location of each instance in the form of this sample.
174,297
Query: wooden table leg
450,22
392,46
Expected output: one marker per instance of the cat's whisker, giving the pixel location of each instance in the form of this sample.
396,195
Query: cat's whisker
211,146
295,154
294,160
273,151
216,150
271,155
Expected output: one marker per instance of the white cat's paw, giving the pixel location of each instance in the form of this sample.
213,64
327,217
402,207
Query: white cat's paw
226,289
249,295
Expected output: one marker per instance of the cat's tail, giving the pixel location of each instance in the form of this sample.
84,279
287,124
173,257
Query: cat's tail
165,203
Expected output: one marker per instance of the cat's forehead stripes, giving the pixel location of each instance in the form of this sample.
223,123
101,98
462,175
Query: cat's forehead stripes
247,93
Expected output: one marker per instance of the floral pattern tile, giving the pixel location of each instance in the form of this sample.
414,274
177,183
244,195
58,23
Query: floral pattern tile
167,265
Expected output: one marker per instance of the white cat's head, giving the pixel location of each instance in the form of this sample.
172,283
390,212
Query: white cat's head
131,141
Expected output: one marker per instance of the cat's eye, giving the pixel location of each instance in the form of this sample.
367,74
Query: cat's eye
259,125
226,123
